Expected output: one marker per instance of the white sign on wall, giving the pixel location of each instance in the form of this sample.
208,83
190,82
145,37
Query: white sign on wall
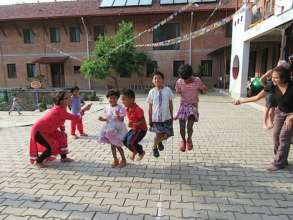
282,5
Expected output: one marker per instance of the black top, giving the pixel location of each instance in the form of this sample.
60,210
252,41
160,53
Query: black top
285,102
269,86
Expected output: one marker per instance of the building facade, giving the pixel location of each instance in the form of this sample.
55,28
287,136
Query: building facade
53,39
262,35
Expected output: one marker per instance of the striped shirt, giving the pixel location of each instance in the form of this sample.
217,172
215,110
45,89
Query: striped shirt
189,91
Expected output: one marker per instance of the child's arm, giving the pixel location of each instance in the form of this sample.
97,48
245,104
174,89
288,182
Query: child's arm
264,78
204,89
140,121
150,114
171,108
250,99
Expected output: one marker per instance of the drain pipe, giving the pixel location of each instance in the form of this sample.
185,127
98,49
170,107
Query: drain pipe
87,44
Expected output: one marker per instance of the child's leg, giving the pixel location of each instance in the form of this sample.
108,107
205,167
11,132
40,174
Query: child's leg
122,163
80,126
47,153
265,117
190,124
136,139
127,143
114,153
73,127
182,124
271,117
65,159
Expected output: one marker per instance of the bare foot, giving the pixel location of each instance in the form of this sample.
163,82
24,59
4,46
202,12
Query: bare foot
122,164
132,157
74,136
39,165
140,156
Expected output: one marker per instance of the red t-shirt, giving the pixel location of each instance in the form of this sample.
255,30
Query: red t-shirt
135,114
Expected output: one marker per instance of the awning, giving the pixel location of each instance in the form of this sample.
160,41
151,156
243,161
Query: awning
48,60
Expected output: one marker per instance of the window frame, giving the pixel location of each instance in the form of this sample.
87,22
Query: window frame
28,70
11,75
76,38
157,39
28,32
57,37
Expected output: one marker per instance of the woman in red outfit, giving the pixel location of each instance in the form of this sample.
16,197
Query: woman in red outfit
48,137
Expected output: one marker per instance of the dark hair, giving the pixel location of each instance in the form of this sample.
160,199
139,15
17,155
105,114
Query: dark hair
128,93
284,73
59,97
185,71
74,89
158,73
113,92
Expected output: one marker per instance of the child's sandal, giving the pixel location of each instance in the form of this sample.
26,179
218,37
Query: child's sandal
189,145
122,164
115,163
182,146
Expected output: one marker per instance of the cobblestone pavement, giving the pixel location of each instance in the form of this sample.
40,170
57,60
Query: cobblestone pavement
222,178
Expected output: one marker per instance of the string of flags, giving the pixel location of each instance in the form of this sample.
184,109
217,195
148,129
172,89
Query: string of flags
192,35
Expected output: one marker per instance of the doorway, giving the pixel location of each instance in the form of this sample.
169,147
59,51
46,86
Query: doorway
57,73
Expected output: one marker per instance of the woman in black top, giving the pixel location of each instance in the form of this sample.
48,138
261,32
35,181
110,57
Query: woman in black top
283,120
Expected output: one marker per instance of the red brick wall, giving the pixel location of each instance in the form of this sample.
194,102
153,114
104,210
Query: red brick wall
13,49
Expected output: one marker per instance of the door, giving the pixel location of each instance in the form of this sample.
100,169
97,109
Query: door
57,72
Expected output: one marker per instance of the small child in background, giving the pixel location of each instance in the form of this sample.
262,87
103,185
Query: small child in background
115,129
76,104
15,106
160,112
137,125
188,88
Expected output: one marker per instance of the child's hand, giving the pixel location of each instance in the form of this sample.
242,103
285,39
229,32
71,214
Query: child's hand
102,119
237,102
87,107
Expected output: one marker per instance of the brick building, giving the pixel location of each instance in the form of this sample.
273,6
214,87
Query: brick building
32,36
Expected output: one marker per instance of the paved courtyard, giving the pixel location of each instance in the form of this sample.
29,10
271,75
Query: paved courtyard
222,178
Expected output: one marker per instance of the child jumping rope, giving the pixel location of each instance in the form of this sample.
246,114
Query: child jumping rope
188,88
76,104
115,129
137,124
160,112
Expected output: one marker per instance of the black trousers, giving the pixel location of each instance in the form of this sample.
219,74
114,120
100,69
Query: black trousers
47,153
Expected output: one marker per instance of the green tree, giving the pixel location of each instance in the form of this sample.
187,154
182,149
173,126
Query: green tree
110,59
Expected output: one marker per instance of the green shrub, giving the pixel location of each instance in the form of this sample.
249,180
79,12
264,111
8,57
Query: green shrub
42,106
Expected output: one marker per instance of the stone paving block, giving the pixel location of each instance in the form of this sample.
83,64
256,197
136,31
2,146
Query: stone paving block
14,211
109,201
70,199
149,197
58,214
121,209
257,210
101,216
188,213
130,217
231,208
145,211
12,203
158,204
221,215
127,195
96,201
54,205
36,212
98,208
32,204
170,212
76,215
132,202
181,205
111,195
75,207
240,216
270,217
13,217
86,194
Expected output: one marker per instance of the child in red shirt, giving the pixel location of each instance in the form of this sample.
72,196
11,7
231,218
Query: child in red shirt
137,123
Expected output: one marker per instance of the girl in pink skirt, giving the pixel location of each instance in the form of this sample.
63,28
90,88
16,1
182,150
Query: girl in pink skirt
115,129
188,87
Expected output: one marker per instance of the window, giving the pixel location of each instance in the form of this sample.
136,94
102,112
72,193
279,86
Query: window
27,36
264,60
166,32
207,67
99,30
55,35
228,29
176,65
151,67
76,69
11,71
31,70
74,34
